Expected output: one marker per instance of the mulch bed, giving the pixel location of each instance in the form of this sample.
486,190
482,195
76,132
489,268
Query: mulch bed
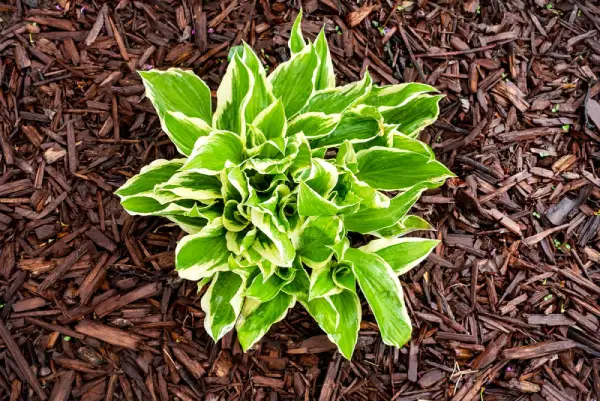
506,309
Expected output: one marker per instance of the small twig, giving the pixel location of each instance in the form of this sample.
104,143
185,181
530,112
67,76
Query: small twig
461,52
20,361
411,54
585,104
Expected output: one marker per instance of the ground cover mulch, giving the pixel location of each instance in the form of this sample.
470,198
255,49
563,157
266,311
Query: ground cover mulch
507,307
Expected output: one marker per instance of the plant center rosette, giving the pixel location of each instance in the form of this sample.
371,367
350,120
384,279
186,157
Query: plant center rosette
270,185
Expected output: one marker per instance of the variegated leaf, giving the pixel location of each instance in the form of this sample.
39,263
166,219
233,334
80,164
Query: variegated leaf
402,254
337,100
385,296
359,124
202,254
222,303
294,80
233,96
392,169
257,318
213,153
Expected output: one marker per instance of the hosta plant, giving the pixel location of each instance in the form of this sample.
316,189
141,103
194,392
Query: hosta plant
272,185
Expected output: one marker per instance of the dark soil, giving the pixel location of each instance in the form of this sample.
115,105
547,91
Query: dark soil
506,309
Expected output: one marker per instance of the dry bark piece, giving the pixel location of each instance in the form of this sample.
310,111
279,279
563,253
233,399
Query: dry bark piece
97,27
115,303
108,334
357,16
528,134
62,268
593,111
62,390
100,239
29,304
20,361
538,350
505,221
550,320
534,239
491,352
313,345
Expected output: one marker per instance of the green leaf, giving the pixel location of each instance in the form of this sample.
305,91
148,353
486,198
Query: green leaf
271,243
258,147
369,219
157,172
193,185
240,241
178,90
234,216
193,264
233,96
348,201
202,283
268,166
402,254
347,305
272,121
394,169
310,203
325,76
414,115
254,139
404,142
242,267
235,185
322,177
322,284
190,225
314,124
318,236
298,146
265,289
294,80
339,249
257,318
235,50
320,153
346,157
161,204
213,153
337,100
222,303
383,292
138,195
369,197
406,225
262,95
298,287
359,124
395,95
289,218
296,42
209,212
151,204
386,140
339,315
324,313
183,131
343,276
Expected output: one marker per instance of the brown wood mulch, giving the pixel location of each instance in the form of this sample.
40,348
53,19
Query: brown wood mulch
506,309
